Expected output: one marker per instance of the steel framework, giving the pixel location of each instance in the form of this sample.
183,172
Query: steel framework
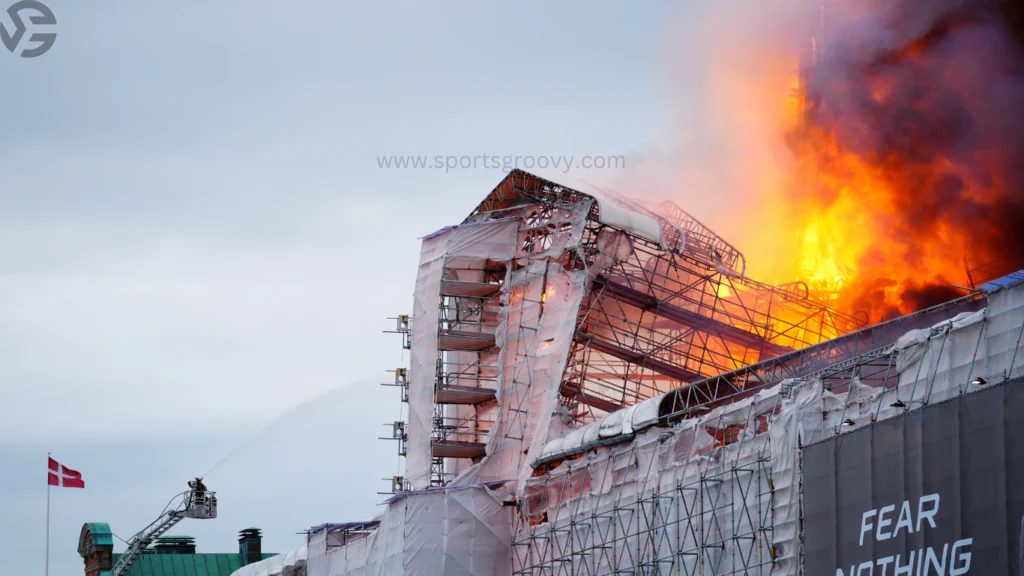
674,500
667,313
659,315
729,386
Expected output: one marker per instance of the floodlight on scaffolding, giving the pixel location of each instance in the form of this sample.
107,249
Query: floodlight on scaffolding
901,404
401,381
397,484
401,327
979,381
397,433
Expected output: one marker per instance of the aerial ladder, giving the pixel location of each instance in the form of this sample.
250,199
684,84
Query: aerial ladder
197,502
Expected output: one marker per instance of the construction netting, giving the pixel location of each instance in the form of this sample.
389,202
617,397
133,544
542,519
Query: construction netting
713,494
461,530
720,493
534,338
533,324
423,357
530,325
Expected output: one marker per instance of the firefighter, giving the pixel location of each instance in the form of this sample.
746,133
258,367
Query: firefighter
198,489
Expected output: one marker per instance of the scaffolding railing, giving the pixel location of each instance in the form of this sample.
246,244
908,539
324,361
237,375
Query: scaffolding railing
697,501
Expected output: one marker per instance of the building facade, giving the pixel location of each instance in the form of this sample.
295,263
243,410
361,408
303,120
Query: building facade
169,556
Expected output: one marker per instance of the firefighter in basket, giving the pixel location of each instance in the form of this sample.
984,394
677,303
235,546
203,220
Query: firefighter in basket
198,490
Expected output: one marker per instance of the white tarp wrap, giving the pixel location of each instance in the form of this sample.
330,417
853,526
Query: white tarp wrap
720,494
668,496
799,422
459,247
534,337
423,358
456,531
617,215
938,364
616,211
539,305
290,563
494,239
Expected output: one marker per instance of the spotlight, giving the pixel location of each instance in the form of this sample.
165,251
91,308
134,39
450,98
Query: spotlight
898,404
979,381
848,422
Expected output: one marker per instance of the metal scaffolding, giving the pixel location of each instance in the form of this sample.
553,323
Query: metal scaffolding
657,313
718,491
664,314
665,504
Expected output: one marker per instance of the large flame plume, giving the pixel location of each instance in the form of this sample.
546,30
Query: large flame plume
906,177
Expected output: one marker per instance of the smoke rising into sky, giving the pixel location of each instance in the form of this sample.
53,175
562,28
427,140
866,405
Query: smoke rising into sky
868,149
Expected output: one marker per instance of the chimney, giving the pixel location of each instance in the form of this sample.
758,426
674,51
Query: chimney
250,546
175,545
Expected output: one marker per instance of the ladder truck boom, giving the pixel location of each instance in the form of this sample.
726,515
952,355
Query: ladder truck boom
197,503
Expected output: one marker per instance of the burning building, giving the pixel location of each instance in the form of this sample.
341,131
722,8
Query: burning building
904,171
596,387
599,385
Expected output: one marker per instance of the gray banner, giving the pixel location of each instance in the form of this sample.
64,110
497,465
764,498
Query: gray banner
937,491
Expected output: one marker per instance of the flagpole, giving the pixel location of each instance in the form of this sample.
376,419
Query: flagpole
47,522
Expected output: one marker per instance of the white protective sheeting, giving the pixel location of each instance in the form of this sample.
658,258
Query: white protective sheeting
539,305
720,493
423,358
575,438
290,563
454,253
670,501
462,530
615,212
534,336
799,423
554,447
618,215
611,425
646,413
491,239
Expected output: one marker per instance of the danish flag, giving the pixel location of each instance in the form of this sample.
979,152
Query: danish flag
60,475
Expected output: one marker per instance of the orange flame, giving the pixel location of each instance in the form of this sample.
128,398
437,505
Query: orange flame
878,208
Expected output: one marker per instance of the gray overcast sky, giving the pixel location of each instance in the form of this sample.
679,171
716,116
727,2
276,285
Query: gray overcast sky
195,235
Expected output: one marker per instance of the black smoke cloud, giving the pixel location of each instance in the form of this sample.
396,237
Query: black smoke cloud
934,97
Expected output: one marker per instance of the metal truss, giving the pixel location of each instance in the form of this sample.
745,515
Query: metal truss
676,319
849,349
660,316
657,320
666,315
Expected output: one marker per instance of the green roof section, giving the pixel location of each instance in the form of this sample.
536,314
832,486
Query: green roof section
101,534
185,564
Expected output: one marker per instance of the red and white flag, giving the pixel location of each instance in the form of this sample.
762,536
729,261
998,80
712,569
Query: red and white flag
60,475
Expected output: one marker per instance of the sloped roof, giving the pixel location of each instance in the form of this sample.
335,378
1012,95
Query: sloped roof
101,534
1008,280
185,564
611,210
94,534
